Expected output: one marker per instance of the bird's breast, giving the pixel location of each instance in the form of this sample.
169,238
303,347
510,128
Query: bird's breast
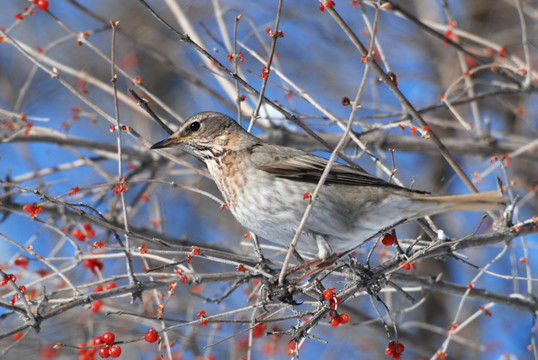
228,172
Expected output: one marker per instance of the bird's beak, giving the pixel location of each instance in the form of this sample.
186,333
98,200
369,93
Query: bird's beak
171,141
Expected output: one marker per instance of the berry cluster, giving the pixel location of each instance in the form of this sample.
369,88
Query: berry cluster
334,302
103,345
395,349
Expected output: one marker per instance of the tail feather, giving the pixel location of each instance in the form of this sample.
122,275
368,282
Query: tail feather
469,202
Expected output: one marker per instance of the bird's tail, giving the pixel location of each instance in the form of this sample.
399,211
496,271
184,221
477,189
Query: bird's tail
470,202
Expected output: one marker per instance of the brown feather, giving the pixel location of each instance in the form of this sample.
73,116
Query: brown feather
301,166
469,202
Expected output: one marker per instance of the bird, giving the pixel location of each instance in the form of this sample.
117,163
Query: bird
265,186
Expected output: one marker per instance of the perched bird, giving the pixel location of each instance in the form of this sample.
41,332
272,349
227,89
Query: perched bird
264,187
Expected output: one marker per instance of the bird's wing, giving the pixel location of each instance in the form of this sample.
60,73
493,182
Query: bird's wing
298,165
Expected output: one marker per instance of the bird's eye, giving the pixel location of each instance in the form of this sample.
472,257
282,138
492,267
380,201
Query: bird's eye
195,126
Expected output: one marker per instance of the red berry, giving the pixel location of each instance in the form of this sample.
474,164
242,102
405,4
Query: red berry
42,4
259,330
103,352
391,349
334,302
94,265
97,341
21,261
344,318
94,308
388,240
241,268
151,336
114,351
108,338
79,235
328,293
110,285
90,232
335,321
399,348
329,4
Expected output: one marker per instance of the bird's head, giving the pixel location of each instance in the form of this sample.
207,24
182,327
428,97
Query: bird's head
206,134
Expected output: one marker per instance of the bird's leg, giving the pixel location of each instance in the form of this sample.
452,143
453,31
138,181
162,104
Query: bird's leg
324,249
324,254
257,247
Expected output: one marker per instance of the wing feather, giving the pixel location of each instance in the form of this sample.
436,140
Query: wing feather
298,165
